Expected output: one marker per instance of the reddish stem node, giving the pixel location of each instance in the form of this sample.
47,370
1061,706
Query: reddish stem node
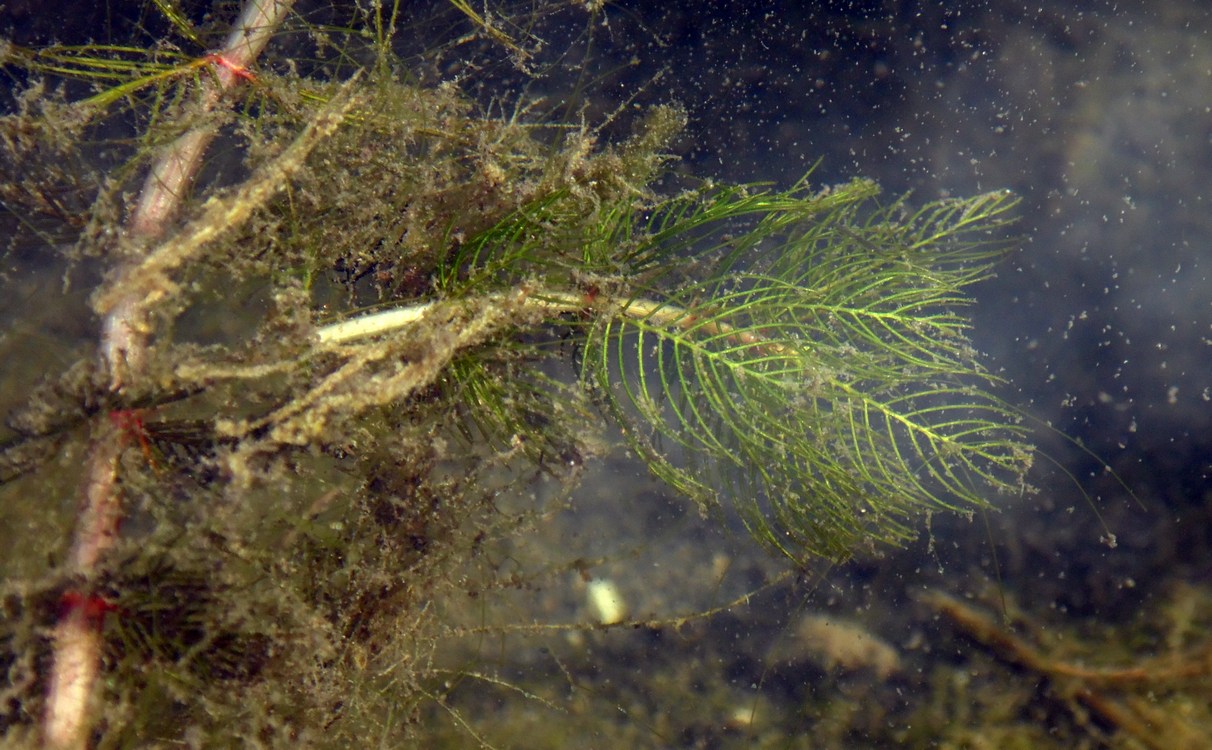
239,71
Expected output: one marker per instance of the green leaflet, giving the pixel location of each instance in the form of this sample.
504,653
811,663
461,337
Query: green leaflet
815,378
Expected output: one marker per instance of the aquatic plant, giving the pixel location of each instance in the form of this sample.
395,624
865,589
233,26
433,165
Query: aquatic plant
317,362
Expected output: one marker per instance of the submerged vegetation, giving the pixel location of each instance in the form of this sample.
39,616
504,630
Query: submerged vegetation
378,310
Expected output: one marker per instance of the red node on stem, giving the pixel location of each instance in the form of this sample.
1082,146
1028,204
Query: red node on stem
130,423
239,71
92,607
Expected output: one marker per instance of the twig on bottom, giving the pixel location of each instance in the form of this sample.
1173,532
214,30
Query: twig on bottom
1097,690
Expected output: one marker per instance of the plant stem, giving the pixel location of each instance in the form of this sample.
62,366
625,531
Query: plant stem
124,332
657,314
124,338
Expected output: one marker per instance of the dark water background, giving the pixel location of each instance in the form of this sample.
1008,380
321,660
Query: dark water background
1099,115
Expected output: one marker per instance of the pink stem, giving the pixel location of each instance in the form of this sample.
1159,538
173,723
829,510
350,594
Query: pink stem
124,338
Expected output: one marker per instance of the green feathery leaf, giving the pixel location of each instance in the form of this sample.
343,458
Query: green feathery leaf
817,378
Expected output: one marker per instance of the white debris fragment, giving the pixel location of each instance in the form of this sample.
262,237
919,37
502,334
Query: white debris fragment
606,601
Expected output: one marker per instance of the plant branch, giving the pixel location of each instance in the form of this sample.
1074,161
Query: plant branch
658,314
124,339
124,334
